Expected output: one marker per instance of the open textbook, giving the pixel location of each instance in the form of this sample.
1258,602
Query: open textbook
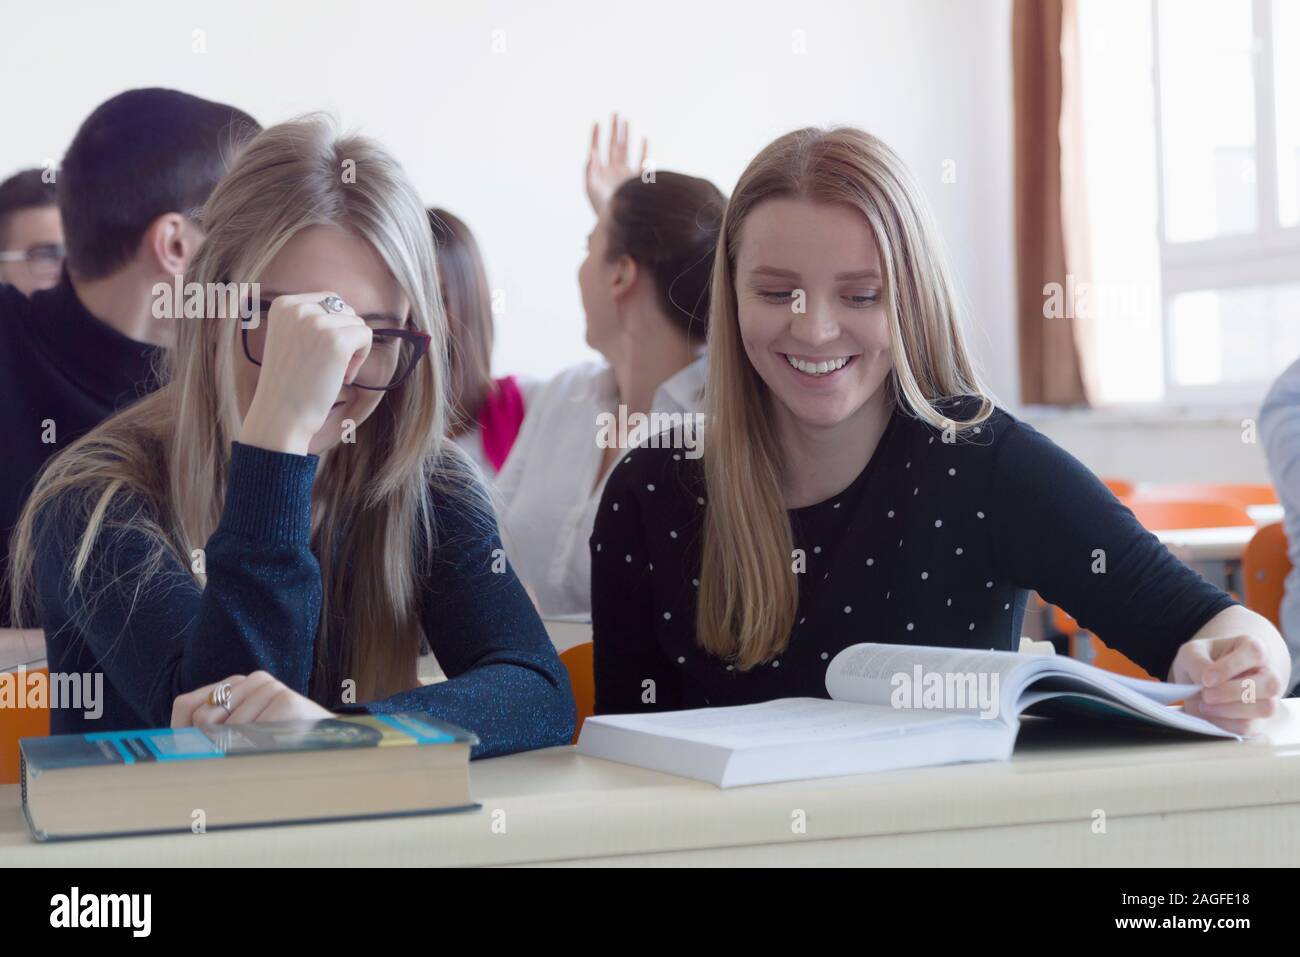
892,706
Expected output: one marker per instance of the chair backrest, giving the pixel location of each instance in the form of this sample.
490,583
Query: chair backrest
1264,568
1234,493
1119,487
18,723
582,676
1188,514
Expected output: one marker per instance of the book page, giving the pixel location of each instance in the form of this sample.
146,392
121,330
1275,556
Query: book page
1051,669
967,680
1162,691
780,722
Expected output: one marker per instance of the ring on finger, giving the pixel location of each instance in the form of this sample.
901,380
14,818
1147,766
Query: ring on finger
222,695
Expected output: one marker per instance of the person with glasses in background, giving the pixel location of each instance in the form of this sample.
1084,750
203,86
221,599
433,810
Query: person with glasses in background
31,233
284,527
73,354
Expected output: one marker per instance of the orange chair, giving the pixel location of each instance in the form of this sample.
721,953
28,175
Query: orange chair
582,676
1095,652
1264,568
1158,514
1119,487
1237,494
18,723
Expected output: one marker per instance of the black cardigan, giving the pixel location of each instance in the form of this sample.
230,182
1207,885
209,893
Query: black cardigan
262,604
934,543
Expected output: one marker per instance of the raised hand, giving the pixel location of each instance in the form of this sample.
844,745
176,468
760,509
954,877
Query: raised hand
606,173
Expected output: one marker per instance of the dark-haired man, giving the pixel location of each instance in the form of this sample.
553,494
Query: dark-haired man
71,356
31,234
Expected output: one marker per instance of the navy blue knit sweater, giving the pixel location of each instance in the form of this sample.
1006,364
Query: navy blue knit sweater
262,604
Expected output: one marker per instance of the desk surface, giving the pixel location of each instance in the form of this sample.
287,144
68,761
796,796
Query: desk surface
1224,544
1164,800
1265,514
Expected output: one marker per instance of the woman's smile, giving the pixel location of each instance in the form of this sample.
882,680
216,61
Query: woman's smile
814,367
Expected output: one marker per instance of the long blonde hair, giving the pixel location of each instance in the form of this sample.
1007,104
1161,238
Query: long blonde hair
748,593
371,502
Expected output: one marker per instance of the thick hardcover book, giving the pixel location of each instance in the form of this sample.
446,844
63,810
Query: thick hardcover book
199,779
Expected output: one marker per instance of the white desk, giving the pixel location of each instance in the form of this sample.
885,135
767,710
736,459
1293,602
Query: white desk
1225,544
1175,802
1265,514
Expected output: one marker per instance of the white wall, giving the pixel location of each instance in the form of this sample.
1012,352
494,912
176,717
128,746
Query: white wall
1161,444
500,137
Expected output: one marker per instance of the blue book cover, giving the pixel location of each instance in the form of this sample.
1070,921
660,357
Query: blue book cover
232,741
60,803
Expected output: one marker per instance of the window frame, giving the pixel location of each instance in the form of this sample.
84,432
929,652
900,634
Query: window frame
1269,255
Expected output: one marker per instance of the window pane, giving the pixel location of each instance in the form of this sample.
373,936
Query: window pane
1248,334
1207,117
1286,90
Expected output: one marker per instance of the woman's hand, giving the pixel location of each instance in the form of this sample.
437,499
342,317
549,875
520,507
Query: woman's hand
258,697
1243,667
606,175
309,354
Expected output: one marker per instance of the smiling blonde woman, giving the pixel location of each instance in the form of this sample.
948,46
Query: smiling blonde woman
858,484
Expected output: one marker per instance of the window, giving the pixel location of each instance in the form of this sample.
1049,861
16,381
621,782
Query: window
1227,134
1191,175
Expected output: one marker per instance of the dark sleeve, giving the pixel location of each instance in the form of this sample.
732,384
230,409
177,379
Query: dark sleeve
504,680
13,305
1056,526
158,635
625,652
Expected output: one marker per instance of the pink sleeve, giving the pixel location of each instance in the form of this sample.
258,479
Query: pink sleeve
499,420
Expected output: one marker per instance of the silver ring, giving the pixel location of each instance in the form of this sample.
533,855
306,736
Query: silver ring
222,694
333,304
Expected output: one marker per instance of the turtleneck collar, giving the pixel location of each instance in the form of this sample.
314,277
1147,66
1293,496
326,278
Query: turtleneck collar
113,367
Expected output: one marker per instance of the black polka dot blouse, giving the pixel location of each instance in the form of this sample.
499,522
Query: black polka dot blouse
935,543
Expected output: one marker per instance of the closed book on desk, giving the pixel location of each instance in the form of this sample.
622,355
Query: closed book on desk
191,779
891,706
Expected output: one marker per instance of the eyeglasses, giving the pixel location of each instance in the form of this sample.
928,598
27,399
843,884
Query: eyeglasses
394,353
44,261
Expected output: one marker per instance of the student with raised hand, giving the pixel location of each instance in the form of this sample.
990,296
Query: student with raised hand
645,294
857,483
72,355
31,233
485,413
283,527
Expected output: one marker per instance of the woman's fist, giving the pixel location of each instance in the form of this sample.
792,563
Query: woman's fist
307,354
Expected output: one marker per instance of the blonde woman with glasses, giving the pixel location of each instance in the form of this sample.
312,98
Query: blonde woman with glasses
282,529
858,484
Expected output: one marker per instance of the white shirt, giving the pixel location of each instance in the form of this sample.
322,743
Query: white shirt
1279,428
547,492
471,441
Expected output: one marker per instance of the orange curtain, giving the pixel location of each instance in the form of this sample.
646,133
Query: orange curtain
1051,226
